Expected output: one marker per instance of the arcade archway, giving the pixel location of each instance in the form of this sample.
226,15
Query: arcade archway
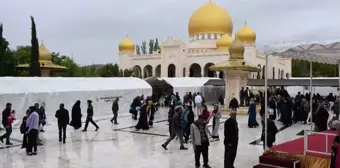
158,71
171,71
195,70
137,71
147,71
207,71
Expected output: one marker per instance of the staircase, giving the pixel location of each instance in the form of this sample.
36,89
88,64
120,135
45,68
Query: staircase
275,162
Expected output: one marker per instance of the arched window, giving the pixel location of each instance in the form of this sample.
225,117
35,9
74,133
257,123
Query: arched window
282,73
273,72
278,73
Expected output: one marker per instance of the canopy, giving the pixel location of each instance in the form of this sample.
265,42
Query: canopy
181,84
23,92
315,51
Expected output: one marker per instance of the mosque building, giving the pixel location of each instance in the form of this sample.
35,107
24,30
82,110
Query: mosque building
210,31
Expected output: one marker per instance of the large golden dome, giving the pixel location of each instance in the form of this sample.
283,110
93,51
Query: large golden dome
127,46
246,34
210,18
44,54
224,42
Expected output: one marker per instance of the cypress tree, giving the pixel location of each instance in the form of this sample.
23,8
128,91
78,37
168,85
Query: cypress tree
156,46
34,69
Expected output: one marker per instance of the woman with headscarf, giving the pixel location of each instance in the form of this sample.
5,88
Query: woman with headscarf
143,118
286,111
216,115
206,114
76,115
321,118
190,118
252,123
151,110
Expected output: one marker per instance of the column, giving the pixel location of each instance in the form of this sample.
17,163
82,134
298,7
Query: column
217,74
202,72
142,73
187,73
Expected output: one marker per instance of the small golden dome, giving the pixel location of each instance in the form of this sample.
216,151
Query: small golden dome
236,49
44,54
210,18
127,46
246,34
224,42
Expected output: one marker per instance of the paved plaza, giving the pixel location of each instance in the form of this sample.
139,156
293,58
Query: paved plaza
122,147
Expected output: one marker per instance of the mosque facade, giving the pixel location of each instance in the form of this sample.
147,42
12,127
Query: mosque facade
210,30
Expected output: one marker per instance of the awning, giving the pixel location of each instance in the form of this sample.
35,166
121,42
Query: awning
281,82
315,51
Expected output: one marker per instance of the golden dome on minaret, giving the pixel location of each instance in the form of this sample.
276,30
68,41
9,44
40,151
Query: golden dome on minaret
246,34
224,42
210,18
127,46
236,49
44,54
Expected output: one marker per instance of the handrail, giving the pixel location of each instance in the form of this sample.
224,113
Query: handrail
307,132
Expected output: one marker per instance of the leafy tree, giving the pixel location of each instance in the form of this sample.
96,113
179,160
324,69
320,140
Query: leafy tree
23,54
7,57
137,49
300,68
151,46
156,46
143,47
34,63
128,72
73,69
121,73
109,70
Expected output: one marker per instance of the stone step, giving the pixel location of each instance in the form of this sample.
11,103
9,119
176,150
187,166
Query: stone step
264,166
281,162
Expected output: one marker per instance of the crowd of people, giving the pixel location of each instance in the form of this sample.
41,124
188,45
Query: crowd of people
35,119
188,119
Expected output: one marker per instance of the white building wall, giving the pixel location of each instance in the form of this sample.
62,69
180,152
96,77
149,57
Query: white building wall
183,55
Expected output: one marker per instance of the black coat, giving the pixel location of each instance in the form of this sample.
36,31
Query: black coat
5,115
271,130
321,119
63,117
230,132
90,111
115,107
233,103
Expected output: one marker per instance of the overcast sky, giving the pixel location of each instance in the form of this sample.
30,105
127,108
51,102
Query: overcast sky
92,30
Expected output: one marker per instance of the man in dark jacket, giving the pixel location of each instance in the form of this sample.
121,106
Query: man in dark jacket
335,108
233,104
115,108
170,117
63,120
230,140
89,117
6,113
176,129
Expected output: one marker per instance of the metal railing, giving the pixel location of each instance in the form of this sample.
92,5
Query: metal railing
309,132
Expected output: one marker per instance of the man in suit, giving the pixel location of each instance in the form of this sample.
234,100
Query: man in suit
115,109
63,120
